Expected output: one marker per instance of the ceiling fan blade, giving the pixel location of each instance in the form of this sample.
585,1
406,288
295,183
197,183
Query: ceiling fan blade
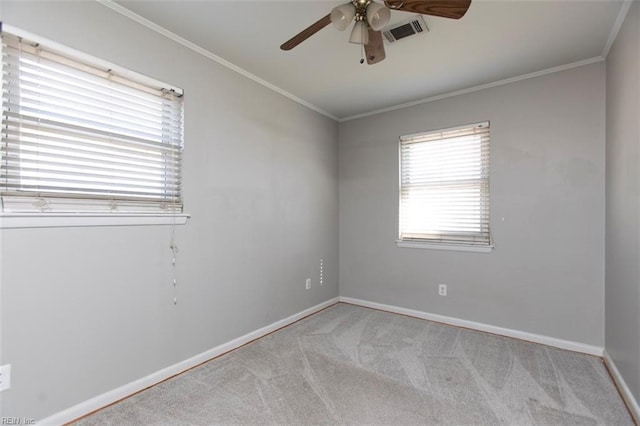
374,50
454,9
306,33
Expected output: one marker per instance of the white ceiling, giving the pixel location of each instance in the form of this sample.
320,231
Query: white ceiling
495,40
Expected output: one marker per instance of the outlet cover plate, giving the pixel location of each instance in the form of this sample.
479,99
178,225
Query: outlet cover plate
5,377
442,289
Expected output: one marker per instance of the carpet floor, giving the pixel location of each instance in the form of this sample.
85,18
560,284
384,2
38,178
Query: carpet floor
352,365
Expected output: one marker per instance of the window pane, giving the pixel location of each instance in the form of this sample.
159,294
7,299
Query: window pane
444,186
77,132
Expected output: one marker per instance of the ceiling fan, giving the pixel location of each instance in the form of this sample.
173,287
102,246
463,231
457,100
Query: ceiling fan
370,17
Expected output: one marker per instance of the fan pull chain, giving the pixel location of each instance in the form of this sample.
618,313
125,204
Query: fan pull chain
174,253
362,54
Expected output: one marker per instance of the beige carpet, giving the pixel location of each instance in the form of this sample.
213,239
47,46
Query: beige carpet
352,365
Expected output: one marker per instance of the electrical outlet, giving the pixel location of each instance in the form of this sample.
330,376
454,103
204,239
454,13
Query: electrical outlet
442,289
307,284
5,377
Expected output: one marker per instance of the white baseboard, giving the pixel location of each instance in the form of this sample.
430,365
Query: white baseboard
631,401
114,395
522,335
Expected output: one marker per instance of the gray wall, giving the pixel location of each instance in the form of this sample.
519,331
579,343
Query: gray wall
85,310
546,274
622,296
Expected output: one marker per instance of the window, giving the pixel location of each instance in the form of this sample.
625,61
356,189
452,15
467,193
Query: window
444,187
80,137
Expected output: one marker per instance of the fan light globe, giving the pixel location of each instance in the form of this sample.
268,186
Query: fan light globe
360,33
378,16
341,16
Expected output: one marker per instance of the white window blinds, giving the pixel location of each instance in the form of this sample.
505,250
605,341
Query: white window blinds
444,186
77,138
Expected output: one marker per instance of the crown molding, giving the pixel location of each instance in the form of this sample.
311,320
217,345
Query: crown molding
204,52
616,27
477,88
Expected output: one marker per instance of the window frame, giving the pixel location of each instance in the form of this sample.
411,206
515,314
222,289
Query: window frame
432,243
39,219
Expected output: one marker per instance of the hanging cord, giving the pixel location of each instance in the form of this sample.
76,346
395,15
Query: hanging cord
365,30
174,254
172,242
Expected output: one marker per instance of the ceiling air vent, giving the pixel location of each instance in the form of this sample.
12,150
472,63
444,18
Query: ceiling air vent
408,28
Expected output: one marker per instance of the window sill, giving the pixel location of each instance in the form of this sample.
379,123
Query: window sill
436,246
63,220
